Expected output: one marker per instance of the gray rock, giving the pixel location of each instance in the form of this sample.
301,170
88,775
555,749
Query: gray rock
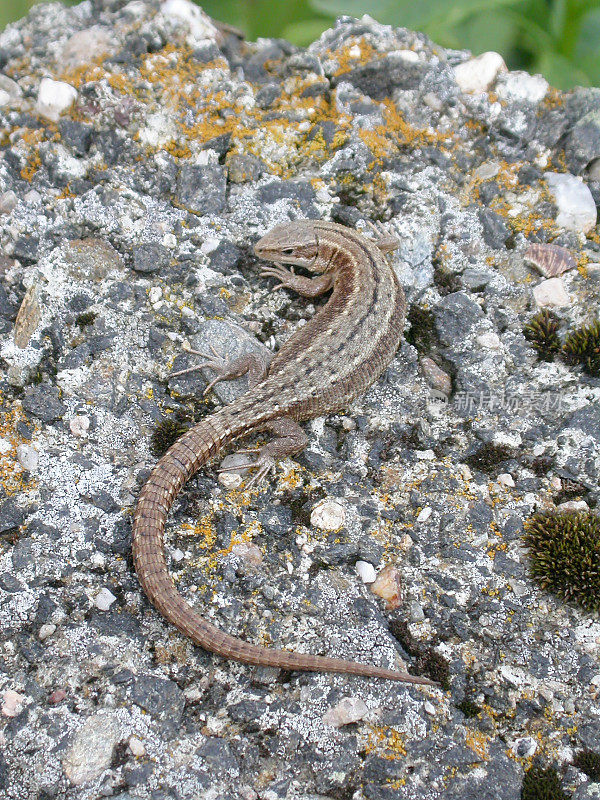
44,402
151,257
161,698
455,316
201,188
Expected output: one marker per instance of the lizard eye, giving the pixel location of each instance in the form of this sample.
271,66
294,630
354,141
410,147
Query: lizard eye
288,251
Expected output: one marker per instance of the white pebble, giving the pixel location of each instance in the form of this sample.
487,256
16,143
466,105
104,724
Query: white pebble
365,571
104,599
551,292
5,446
425,455
329,515
177,555
424,514
429,708
79,425
12,703
28,457
154,294
576,207
522,86
347,711
573,505
247,552
490,340
8,200
506,479
54,97
479,74
46,631
136,746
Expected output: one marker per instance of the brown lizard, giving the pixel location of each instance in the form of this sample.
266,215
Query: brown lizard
341,351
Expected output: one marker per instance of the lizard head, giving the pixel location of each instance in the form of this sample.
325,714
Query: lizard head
291,243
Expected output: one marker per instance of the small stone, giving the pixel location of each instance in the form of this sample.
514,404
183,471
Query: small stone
550,259
435,376
506,479
91,750
329,515
43,401
5,446
236,465
551,293
249,553
524,748
54,97
136,746
28,457
576,207
177,555
424,514
12,703
490,340
57,696
9,90
365,571
347,711
151,257
416,612
188,15
79,425
86,45
8,201
518,587
479,74
573,505
429,708
46,631
425,455
387,586
104,599
154,294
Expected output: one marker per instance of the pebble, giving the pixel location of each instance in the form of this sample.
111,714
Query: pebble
5,447
425,455
415,610
46,631
192,17
506,479
552,293
573,505
424,514
54,97
525,747
177,555
490,340
28,457
12,703
249,553
57,696
79,425
104,599
387,586
429,708
91,749
136,746
329,515
435,376
83,46
576,207
9,90
347,711
479,74
365,571
8,201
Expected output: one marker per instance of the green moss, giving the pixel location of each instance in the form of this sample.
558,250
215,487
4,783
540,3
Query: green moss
421,333
469,708
489,455
542,784
582,346
166,433
446,280
427,661
589,762
565,555
542,332
85,319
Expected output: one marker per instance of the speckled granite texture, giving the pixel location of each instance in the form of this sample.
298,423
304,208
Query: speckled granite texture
143,152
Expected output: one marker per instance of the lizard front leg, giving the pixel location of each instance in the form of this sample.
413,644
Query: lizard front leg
307,287
250,364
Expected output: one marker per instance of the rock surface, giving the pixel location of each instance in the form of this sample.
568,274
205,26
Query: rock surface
129,204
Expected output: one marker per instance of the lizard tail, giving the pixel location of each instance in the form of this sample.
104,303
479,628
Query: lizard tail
179,463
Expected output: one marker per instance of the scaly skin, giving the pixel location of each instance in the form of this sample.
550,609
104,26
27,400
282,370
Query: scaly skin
342,350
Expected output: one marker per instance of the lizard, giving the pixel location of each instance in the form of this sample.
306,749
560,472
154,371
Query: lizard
340,352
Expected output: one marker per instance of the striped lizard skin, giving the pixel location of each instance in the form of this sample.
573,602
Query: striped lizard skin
341,351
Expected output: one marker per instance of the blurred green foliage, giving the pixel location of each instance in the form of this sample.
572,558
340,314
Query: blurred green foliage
559,38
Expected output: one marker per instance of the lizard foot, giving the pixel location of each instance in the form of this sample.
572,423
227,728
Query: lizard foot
216,363
264,463
280,273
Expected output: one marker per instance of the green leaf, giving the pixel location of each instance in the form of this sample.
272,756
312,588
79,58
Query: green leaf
483,32
304,33
587,52
560,71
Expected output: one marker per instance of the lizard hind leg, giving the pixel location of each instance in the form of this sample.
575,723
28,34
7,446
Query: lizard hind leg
290,439
251,364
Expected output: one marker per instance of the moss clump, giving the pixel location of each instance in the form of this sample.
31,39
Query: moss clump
589,762
446,280
542,784
422,328
85,319
427,662
469,708
582,346
166,432
565,555
489,455
542,332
